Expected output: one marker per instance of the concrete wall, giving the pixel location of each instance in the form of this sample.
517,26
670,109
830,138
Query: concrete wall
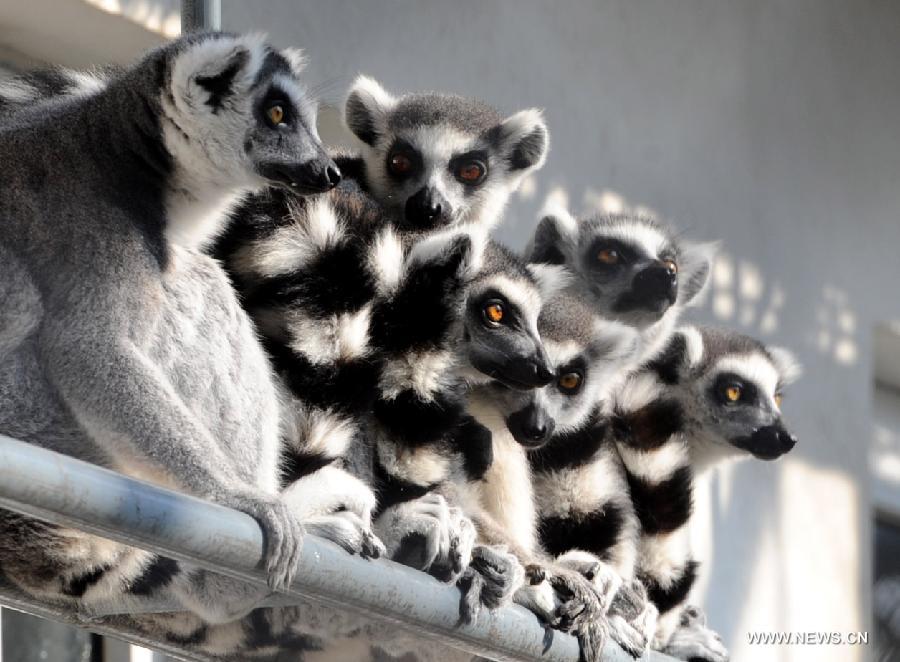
772,125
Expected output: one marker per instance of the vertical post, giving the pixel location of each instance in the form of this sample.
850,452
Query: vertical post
200,15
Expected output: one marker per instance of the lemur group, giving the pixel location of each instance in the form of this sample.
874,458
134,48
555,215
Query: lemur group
197,293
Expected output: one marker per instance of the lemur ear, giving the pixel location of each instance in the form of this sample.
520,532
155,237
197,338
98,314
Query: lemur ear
523,138
555,233
789,368
296,59
694,264
551,278
366,108
460,250
213,69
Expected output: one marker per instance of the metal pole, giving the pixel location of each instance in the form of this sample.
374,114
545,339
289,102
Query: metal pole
200,15
69,492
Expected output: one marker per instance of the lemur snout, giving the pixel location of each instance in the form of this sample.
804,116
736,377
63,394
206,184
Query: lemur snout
531,426
427,208
770,442
314,176
657,283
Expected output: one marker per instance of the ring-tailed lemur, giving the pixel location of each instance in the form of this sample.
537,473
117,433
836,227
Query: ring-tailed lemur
426,439
711,394
139,357
323,278
633,268
437,160
502,502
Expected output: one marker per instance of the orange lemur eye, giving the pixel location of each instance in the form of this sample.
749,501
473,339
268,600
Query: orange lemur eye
778,399
400,164
275,114
493,313
471,172
570,381
670,266
608,256
733,393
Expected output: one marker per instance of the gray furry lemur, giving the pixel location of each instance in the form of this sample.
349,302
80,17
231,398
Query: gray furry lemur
126,345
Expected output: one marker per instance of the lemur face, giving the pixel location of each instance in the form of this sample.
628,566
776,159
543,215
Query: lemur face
737,391
631,266
587,353
500,336
245,101
437,160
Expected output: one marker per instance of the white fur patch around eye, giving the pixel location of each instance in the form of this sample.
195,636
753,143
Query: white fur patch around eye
637,392
657,465
426,373
561,353
648,239
342,337
439,143
520,293
754,368
17,91
386,261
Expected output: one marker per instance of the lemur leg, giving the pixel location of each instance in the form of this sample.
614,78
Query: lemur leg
107,382
693,640
337,506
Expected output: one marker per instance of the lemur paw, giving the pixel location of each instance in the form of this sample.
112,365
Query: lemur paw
569,602
349,531
632,619
428,535
491,579
605,579
282,533
693,640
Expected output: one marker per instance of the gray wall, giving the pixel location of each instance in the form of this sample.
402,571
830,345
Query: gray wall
773,126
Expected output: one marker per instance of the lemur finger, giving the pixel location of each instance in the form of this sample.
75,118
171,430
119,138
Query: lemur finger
632,640
502,572
592,638
470,585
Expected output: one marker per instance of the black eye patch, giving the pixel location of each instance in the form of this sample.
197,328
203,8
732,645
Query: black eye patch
403,160
577,366
730,389
512,316
277,97
603,246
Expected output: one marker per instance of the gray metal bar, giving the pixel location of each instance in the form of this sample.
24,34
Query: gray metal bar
69,492
200,15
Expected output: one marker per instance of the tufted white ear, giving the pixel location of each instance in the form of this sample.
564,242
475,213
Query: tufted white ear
551,278
523,138
210,70
694,266
789,368
554,237
296,58
464,244
366,108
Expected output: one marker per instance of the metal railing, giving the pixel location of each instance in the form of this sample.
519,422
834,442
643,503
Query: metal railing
65,491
